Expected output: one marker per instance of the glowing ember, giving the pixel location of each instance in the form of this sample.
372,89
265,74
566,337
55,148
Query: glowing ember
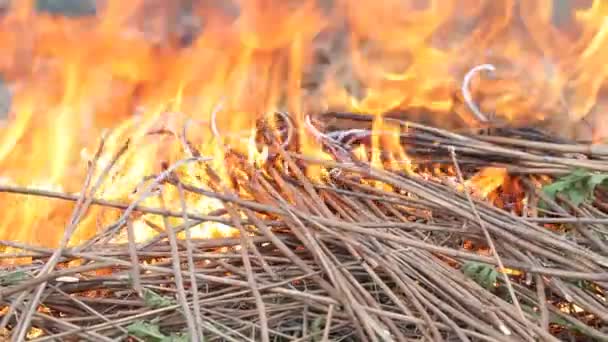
129,72
487,181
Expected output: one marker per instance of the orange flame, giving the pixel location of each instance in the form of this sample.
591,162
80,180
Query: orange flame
139,67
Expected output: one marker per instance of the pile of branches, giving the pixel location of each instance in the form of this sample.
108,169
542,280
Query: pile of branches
366,254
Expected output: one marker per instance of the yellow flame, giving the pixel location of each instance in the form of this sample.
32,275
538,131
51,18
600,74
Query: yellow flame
127,71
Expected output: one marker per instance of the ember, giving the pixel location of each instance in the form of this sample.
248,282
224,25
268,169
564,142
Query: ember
304,170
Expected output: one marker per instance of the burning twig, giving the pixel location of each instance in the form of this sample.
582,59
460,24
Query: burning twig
290,129
356,133
82,205
193,152
151,188
467,93
215,215
339,151
285,116
318,134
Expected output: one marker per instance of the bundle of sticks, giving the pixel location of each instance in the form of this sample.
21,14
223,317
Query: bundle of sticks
367,254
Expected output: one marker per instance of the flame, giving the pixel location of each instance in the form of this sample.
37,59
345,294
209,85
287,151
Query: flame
140,70
488,180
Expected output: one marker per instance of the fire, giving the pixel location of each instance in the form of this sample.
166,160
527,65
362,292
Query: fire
488,180
146,72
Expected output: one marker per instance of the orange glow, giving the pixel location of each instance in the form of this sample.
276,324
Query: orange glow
129,73
495,185
487,181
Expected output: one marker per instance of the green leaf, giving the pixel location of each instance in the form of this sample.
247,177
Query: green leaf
146,331
553,189
316,329
176,338
577,187
564,183
487,277
483,274
13,278
597,179
150,332
577,195
553,318
154,300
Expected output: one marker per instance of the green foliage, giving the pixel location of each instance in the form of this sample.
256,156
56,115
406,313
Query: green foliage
483,274
577,186
154,300
146,331
316,328
12,278
583,284
176,338
553,318
150,332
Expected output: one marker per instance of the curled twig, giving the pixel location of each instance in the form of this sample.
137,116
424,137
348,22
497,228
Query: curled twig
336,147
214,129
468,99
216,132
318,134
356,133
218,135
193,152
290,129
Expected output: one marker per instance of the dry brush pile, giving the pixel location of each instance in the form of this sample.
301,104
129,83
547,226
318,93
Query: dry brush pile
362,253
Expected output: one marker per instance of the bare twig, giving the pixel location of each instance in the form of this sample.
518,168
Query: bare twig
197,309
134,259
179,281
490,241
245,246
467,93
330,313
79,211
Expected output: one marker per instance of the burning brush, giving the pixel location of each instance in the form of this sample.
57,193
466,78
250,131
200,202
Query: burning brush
384,203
